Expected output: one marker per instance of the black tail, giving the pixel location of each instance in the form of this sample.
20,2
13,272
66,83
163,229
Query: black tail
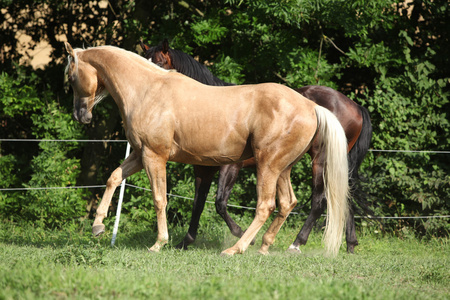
360,205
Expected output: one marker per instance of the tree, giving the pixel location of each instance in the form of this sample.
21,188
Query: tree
389,56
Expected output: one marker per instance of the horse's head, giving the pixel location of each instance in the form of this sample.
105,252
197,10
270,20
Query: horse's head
158,55
87,88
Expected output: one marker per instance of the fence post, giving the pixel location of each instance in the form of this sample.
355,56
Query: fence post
119,205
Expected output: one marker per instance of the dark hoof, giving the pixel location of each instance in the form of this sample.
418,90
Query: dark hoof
181,246
98,230
351,248
188,239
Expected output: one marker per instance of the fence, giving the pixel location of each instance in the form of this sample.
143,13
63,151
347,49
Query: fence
182,197
122,187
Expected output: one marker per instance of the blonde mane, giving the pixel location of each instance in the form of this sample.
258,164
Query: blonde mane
102,92
143,60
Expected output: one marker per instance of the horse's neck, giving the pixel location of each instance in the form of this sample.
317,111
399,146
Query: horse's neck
121,80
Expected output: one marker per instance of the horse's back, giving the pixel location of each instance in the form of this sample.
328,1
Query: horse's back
264,98
329,98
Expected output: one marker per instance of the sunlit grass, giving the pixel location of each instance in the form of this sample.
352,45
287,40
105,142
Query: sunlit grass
69,263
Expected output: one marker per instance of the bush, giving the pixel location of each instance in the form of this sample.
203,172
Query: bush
408,111
52,165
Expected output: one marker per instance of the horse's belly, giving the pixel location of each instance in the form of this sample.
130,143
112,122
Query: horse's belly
210,153
188,158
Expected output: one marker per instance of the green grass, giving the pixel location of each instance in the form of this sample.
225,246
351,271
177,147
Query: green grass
60,264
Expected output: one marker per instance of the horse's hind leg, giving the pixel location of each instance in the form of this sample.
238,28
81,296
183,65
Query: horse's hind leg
318,205
350,233
286,201
203,179
266,188
130,166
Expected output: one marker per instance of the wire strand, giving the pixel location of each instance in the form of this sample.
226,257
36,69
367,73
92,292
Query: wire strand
191,199
211,202
124,141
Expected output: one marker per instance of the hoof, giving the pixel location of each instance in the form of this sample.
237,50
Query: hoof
264,250
232,251
188,239
351,247
182,246
294,249
226,254
98,229
157,247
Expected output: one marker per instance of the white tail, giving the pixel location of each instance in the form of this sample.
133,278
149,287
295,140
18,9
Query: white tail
333,151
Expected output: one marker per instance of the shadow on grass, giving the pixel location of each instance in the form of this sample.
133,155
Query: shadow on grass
79,235
23,234
144,239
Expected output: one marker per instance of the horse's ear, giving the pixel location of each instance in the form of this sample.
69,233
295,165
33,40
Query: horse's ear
71,69
144,46
69,49
165,46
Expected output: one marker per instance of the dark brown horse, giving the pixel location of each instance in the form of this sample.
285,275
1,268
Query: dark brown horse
354,119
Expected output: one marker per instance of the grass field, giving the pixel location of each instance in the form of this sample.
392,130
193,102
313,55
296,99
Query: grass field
70,264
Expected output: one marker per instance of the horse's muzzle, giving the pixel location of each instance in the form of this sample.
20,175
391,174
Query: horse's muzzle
83,116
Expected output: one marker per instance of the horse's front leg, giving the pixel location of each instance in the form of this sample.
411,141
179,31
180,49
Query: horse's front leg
131,165
155,166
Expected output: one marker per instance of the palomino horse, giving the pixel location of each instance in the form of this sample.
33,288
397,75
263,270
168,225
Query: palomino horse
354,118
168,116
